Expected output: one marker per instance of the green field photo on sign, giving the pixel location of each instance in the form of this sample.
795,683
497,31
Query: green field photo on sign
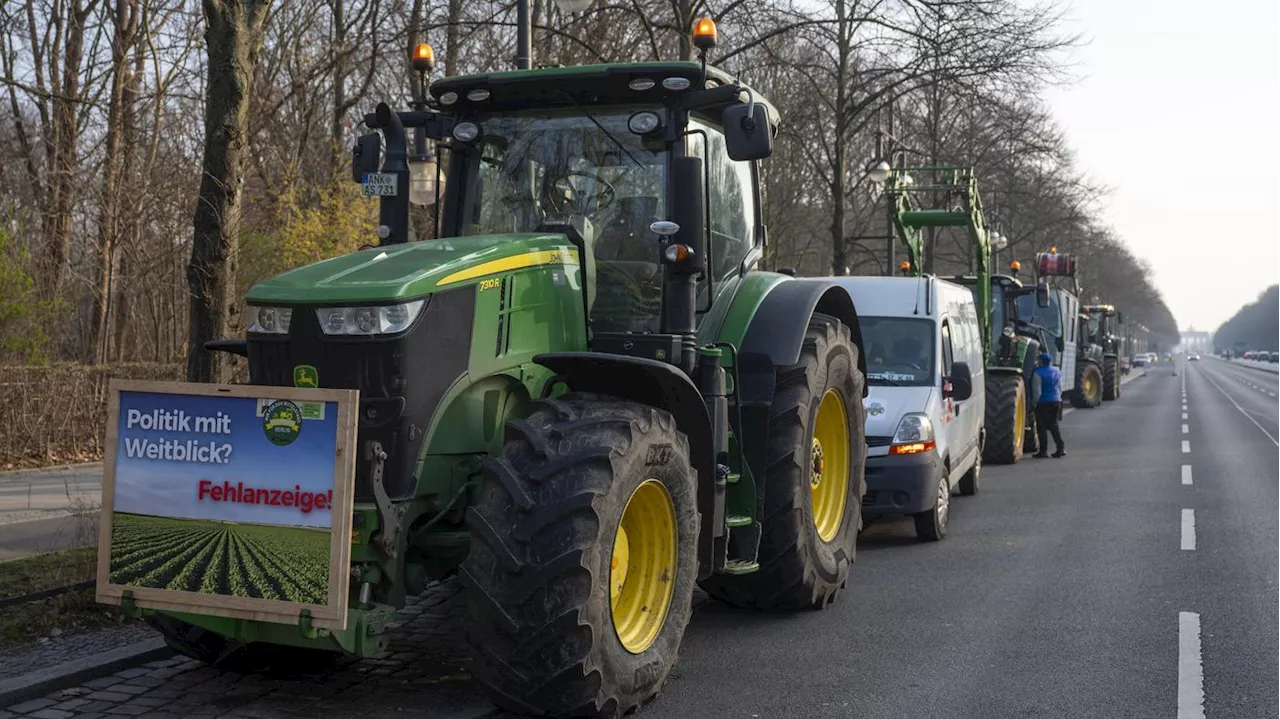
221,558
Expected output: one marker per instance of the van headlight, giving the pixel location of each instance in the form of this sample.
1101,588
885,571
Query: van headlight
914,434
379,320
269,320
914,427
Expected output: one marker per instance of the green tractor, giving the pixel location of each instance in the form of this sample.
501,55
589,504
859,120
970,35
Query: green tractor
583,397
1073,350
1102,324
1008,423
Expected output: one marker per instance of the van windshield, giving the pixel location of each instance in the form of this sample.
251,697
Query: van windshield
899,351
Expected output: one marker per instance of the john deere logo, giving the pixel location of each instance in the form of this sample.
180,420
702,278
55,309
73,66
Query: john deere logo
281,422
304,375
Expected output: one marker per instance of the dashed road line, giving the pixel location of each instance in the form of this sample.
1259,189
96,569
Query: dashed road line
1188,530
1184,415
1185,428
1190,668
1186,474
1186,447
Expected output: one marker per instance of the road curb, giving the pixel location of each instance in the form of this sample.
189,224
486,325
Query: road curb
56,469
1252,367
77,671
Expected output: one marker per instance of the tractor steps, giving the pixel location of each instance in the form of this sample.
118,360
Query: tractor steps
738,520
740,566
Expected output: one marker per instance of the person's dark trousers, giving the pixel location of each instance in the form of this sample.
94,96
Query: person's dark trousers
1047,414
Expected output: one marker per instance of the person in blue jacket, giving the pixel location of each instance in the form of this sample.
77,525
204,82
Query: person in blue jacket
1049,407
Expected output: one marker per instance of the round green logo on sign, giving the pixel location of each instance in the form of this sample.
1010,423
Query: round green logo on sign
281,421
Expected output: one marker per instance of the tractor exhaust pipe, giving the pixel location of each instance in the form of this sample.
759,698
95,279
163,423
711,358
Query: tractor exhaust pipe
393,211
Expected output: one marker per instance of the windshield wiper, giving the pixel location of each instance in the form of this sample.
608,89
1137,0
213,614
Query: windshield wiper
887,381
603,129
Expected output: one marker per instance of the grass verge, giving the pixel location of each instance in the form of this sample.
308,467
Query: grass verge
55,616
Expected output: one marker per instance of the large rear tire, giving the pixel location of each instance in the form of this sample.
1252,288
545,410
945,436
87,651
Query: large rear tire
1110,379
815,459
1088,391
582,563
1006,417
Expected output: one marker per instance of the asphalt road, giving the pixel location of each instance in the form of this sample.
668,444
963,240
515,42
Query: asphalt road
1129,579
37,508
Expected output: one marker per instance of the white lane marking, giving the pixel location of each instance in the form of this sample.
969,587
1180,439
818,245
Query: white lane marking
1186,474
1184,406
1190,669
1184,415
1185,429
1188,530
1246,414
1186,447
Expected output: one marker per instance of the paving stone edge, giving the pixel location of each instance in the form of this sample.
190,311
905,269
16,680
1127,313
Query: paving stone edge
77,671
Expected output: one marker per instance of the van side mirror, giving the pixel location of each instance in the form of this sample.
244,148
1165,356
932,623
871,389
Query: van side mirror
961,381
1042,295
747,135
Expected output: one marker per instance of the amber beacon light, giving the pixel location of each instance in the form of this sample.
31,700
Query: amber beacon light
424,58
704,33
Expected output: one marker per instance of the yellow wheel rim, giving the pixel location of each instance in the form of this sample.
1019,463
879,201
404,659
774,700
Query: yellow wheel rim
829,467
1019,423
642,567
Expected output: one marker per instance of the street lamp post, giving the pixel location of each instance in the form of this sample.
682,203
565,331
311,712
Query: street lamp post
888,148
524,28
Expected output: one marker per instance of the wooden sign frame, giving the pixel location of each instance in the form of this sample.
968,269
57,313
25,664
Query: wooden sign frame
332,615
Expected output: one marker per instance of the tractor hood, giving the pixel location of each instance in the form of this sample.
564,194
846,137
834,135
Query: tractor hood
414,269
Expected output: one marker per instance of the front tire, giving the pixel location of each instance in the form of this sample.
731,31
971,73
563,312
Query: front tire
968,484
815,459
1110,379
1006,417
583,561
931,525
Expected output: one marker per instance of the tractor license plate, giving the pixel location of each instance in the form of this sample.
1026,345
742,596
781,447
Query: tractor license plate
379,184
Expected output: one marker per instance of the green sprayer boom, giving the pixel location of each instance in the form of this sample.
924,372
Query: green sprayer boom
951,194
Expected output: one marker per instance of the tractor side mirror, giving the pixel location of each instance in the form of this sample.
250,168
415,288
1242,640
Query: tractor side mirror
747,135
1042,295
961,381
365,156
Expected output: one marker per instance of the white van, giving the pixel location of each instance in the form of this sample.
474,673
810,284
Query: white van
925,401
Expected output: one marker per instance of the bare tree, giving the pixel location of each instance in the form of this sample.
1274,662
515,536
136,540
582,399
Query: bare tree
233,37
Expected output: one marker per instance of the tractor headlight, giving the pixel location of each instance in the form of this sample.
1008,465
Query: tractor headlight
269,320
383,320
914,427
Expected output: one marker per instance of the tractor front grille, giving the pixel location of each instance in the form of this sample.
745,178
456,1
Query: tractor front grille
401,379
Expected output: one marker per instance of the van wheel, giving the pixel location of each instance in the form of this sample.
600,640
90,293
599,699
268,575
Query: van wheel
969,482
931,525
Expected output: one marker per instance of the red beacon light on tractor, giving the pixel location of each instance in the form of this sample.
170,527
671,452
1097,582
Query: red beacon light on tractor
1053,263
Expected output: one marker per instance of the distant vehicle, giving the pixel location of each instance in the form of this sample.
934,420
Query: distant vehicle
1275,357
925,396
1193,357
1139,360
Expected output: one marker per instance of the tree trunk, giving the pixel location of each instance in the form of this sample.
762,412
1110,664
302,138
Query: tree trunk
65,157
453,38
337,133
233,39
125,21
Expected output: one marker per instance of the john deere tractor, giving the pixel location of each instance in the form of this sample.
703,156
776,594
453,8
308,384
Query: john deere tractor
1079,361
582,397
1101,325
1012,350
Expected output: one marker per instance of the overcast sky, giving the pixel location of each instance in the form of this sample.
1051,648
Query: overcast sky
1178,112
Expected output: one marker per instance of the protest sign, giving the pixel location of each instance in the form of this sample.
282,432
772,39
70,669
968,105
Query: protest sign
228,500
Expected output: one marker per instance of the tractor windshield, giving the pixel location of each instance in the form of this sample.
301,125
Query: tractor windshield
539,164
